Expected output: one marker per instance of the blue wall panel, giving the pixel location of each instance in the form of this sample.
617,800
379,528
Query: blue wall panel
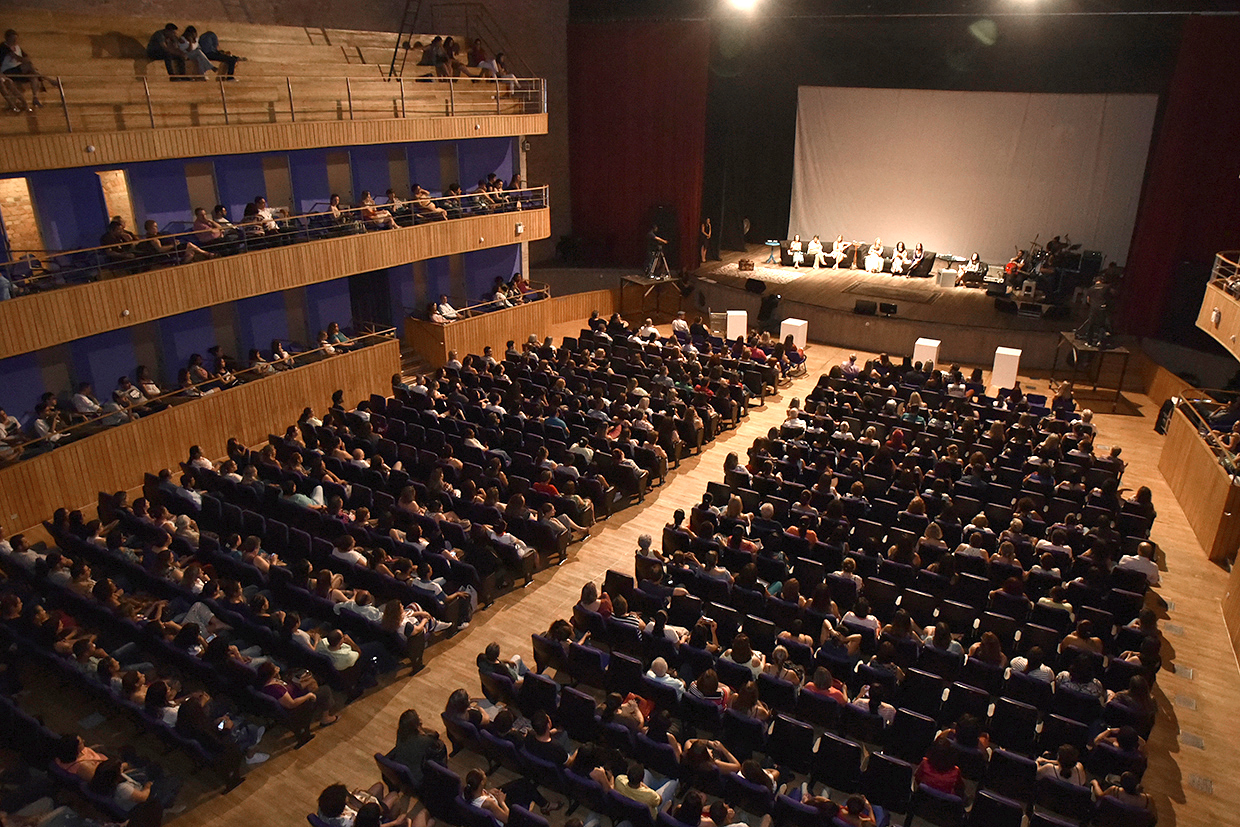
326,303
370,170
70,206
424,167
182,335
103,359
482,266
21,385
439,281
259,320
239,179
403,295
159,192
308,170
481,156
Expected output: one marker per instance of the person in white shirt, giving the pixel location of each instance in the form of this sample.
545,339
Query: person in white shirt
647,330
343,549
267,215
814,251
1143,561
339,648
849,367
679,325
658,673
1031,664
84,402
363,604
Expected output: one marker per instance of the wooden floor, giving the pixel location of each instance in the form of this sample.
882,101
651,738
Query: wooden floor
919,299
1193,771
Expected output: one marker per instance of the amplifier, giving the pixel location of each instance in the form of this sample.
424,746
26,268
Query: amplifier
745,265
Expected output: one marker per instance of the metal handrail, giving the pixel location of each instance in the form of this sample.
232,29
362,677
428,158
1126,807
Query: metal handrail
539,290
97,262
1192,401
1226,265
357,100
180,396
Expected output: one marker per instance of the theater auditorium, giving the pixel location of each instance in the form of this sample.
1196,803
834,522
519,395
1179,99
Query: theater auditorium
670,413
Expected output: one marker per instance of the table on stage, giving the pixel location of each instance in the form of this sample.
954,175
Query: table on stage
775,251
1100,355
648,286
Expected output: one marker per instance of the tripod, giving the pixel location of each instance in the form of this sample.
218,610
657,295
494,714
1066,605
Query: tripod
657,268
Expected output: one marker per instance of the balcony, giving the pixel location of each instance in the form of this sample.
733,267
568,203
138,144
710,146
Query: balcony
95,121
85,292
1220,309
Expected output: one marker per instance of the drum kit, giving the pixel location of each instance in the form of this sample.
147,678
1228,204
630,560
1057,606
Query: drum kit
1043,263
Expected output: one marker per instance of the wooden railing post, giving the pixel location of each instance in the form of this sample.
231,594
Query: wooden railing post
348,90
64,105
292,111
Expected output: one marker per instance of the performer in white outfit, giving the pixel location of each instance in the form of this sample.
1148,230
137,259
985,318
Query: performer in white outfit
814,250
899,260
839,250
874,258
794,248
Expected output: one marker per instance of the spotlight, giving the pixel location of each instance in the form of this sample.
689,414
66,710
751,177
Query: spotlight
743,5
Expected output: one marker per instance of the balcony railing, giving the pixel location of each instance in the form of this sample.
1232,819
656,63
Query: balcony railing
67,428
36,271
1199,405
109,104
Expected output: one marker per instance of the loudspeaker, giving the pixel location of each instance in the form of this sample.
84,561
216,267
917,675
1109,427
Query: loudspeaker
887,308
755,286
1091,263
865,307
1056,311
1005,306
745,265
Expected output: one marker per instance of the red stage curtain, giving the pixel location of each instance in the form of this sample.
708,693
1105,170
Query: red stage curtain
637,133
1190,208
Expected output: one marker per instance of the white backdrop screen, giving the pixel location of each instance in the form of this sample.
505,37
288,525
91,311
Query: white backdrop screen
969,171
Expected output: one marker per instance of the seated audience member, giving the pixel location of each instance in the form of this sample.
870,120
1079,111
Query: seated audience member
209,43
165,45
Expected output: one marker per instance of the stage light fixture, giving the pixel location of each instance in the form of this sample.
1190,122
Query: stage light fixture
743,5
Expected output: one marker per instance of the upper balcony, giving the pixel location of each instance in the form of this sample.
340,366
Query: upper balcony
79,293
1220,309
106,102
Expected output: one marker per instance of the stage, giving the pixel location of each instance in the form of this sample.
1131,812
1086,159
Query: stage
965,319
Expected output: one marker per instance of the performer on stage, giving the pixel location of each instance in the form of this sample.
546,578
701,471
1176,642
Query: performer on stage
814,249
899,260
874,258
919,253
839,249
971,270
794,249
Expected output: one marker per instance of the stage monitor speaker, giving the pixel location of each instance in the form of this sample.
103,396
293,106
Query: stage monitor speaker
745,265
1005,306
865,307
755,286
887,308
1056,311
1091,264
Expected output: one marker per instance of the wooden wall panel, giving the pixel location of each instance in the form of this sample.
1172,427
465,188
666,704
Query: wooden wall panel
1227,331
117,458
41,320
434,341
22,153
1203,488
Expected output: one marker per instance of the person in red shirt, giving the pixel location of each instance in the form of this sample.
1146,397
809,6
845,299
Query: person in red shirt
938,770
544,484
